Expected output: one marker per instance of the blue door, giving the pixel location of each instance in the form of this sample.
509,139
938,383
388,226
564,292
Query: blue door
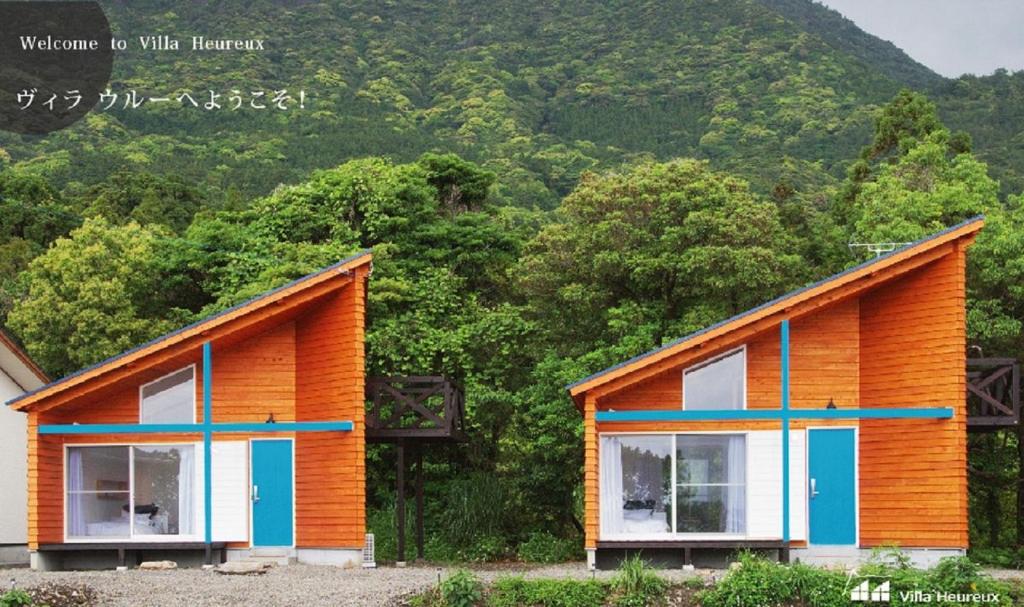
832,485
272,493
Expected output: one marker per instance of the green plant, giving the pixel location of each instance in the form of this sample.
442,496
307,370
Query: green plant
545,548
517,592
637,585
758,581
695,583
15,598
461,589
484,548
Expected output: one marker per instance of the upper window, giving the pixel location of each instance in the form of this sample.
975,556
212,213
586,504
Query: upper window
720,383
170,399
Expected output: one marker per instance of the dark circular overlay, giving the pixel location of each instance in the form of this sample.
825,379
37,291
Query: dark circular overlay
55,60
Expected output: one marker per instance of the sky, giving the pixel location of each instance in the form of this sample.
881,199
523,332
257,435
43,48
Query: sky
952,37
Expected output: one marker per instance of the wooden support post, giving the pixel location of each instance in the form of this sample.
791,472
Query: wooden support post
419,503
122,561
400,506
687,556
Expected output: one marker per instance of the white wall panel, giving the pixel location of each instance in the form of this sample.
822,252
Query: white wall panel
230,491
764,485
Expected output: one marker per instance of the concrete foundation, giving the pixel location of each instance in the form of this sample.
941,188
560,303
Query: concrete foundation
339,557
84,560
851,556
14,555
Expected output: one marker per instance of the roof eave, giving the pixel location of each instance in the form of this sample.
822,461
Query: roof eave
961,230
82,376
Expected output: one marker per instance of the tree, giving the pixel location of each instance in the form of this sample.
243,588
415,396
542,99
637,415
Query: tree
652,254
144,198
94,294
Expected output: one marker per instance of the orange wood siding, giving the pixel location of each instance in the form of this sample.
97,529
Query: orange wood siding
913,473
590,481
254,378
824,364
330,467
319,378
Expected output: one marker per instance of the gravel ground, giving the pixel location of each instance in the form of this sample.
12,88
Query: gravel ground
305,585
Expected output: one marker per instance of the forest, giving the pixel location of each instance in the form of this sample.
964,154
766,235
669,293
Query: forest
548,188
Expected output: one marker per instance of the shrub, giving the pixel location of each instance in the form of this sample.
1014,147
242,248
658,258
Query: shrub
15,598
637,585
1004,558
461,589
517,592
484,548
545,548
758,581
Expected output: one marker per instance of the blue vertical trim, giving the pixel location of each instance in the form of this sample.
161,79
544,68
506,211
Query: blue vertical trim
207,443
784,360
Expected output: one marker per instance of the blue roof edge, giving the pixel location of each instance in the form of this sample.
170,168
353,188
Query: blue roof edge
212,317
778,299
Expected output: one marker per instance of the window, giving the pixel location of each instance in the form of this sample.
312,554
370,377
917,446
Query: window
170,399
130,492
710,484
720,383
660,484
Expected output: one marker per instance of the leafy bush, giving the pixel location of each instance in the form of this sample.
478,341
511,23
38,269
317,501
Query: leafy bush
15,598
758,581
517,592
637,585
461,589
484,548
1004,558
546,548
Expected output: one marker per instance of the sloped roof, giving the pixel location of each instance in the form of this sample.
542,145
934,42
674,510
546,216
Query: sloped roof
818,289
260,302
18,366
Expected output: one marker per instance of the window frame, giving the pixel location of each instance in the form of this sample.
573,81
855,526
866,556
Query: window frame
710,361
132,537
672,534
165,376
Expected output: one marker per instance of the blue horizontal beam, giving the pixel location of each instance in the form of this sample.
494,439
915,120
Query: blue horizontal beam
340,426
675,415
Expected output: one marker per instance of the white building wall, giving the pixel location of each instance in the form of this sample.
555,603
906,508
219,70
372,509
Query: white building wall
230,471
14,459
764,482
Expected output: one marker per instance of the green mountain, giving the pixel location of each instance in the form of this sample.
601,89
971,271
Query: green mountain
537,91
844,36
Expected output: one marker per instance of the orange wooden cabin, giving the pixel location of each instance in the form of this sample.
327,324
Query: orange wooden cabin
821,424
240,436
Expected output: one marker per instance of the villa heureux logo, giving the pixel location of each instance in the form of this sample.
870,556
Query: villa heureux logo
864,593
876,590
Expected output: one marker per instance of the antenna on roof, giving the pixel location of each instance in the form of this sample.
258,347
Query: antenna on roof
878,248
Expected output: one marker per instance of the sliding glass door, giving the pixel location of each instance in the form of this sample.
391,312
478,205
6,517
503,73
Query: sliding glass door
659,485
130,492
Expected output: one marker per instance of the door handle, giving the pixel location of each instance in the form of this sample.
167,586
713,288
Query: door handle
814,490
255,494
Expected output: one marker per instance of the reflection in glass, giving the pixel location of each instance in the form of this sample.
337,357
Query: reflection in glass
636,494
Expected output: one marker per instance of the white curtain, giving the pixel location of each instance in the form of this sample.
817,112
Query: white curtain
76,514
186,491
735,502
610,479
